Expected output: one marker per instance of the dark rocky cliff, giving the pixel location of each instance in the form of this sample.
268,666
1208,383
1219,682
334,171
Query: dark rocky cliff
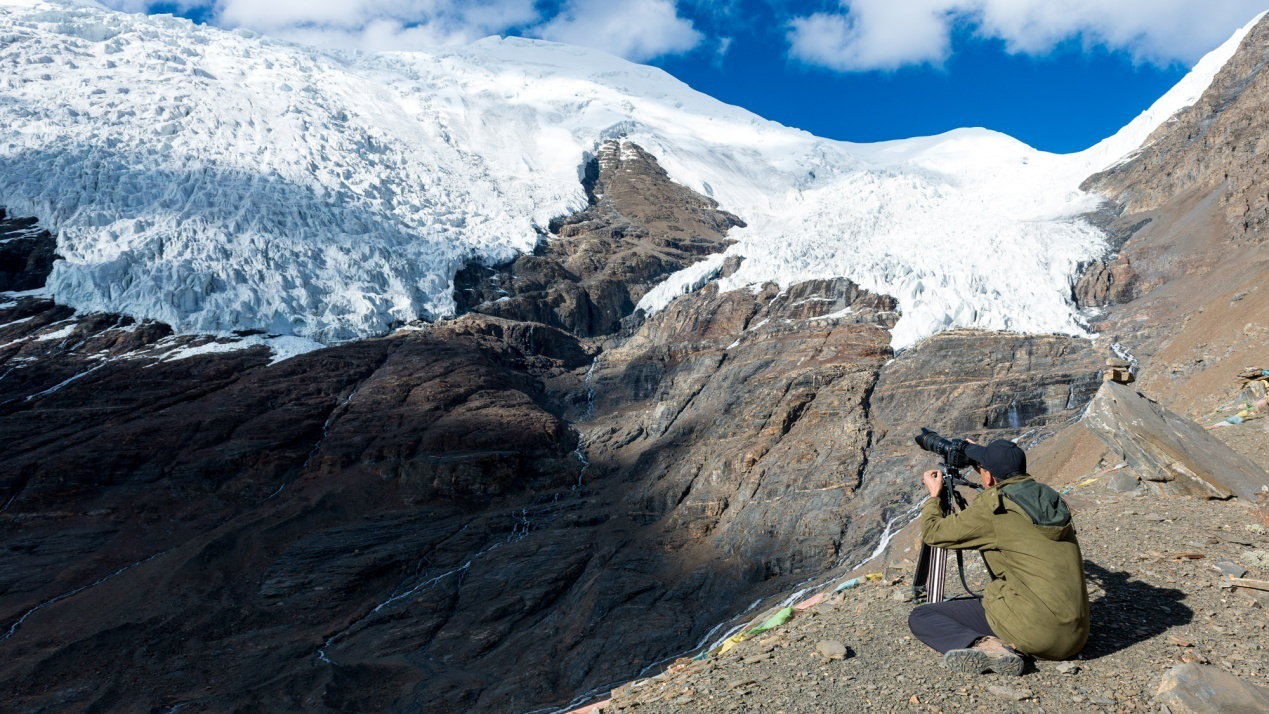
544,496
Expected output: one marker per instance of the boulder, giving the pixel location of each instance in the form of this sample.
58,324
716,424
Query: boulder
1195,689
1123,482
1172,454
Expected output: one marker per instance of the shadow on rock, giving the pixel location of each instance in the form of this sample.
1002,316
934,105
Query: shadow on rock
1130,611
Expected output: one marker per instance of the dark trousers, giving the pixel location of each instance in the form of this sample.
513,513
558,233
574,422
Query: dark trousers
950,625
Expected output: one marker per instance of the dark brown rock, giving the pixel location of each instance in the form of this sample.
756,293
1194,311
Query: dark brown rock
26,253
1106,283
596,264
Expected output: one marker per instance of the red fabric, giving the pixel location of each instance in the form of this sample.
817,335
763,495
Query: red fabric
811,601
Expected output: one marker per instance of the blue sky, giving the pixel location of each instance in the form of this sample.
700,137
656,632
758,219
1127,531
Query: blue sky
1057,74
1063,101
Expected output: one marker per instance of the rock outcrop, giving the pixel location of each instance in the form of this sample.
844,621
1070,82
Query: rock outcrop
26,254
595,265
1105,283
1169,452
732,412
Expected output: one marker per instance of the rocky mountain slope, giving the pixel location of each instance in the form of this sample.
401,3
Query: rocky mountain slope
557,491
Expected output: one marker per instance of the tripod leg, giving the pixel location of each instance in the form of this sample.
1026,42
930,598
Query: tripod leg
922,573
938,571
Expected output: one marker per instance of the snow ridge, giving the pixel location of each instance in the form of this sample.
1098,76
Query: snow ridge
224,181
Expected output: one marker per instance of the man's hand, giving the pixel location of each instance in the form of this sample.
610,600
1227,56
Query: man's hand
933,482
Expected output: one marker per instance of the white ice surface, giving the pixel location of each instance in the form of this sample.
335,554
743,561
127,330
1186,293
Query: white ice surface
221,180
282,347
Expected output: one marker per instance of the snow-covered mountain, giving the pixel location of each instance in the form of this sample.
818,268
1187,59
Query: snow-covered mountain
222,181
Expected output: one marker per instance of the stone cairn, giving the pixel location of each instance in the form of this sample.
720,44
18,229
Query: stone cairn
1118,370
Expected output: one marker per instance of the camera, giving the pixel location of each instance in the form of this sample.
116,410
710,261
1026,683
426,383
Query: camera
952,450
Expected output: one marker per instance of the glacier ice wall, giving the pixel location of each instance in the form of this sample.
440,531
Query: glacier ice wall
221,180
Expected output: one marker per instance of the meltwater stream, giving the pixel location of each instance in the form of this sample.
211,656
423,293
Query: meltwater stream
53,600
580,451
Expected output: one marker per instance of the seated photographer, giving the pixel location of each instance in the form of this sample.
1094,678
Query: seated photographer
1036,603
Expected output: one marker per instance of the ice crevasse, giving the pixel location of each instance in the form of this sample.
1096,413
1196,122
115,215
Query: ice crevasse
219,180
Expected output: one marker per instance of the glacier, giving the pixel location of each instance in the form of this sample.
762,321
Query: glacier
221,180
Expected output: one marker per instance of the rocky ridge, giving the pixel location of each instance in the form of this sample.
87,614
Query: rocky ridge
595,265
1216,144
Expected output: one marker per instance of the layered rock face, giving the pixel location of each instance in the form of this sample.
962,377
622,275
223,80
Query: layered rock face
545,496
742,419
969,383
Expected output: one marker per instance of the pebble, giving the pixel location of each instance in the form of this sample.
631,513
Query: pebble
1122,482
757,658
1068,667
831,649
1009,693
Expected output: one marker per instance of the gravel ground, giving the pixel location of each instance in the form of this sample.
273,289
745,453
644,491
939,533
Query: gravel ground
1156,602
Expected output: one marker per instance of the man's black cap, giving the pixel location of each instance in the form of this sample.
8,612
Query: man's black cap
1002,458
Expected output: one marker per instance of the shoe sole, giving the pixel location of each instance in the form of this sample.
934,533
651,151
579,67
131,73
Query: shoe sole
971,661
966,661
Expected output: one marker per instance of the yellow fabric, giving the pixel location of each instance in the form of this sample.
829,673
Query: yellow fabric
732,642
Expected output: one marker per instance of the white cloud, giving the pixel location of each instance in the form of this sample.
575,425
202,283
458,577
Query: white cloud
376,24
887,34
636,29
876,34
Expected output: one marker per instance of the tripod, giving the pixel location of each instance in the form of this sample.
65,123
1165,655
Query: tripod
931,570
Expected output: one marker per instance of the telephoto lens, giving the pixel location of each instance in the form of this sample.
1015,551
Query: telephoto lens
952,450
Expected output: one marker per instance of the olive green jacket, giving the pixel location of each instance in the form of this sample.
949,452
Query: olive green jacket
1037,601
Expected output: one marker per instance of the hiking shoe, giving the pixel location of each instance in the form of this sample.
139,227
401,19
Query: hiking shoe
987,655
1004,659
